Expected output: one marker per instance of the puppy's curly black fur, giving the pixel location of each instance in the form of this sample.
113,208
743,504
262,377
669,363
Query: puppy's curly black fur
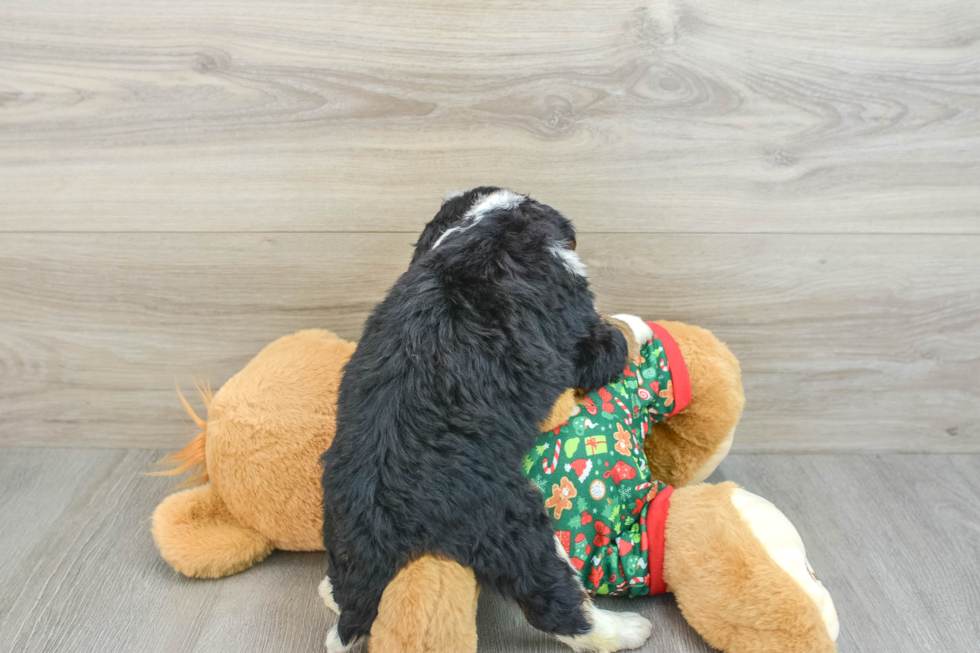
441,400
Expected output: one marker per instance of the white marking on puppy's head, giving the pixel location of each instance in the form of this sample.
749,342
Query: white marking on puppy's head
570,259
499,199
443,235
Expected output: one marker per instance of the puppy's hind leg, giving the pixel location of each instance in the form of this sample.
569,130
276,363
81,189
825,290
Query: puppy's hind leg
354,592
334,643
611,631
552,597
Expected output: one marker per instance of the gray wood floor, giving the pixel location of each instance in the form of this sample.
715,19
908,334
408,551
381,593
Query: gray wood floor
896,538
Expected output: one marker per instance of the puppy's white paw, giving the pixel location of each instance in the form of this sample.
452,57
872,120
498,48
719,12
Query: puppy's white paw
634,629
641,330
333,642
611,631
326,593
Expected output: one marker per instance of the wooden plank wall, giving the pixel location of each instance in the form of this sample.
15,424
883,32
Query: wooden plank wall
182,182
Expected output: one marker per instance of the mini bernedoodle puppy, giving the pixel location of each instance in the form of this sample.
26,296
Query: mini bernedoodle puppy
441,400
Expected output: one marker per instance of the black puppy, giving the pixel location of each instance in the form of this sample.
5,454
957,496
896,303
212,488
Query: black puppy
439,403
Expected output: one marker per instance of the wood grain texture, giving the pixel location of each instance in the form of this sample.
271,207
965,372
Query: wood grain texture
88,578
673,116
894,538
847,343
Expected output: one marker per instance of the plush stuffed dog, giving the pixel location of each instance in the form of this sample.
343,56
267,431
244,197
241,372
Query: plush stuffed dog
735,564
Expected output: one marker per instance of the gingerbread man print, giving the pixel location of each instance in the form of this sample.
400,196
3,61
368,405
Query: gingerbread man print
560,496
624,440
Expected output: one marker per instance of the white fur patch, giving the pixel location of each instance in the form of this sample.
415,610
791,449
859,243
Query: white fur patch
326,593
641,330
334,645
500,199
611,631
570,259
443,235
784,545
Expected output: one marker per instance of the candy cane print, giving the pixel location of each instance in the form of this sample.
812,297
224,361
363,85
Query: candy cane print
629,415
554,463
642,486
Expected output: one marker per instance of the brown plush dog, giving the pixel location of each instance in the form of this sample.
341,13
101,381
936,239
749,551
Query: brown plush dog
734,563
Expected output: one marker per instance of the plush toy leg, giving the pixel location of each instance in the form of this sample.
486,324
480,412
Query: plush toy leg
687,447
199,537
738,570
429,607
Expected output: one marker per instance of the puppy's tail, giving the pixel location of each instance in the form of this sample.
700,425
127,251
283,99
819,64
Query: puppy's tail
191,458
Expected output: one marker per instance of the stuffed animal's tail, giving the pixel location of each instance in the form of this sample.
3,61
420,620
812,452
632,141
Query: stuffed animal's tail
192,457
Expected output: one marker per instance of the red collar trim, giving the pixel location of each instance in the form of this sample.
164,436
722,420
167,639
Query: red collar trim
656,525
680,379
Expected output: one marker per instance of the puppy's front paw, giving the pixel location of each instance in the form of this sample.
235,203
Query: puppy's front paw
632,346
641,330
326,593
634,629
